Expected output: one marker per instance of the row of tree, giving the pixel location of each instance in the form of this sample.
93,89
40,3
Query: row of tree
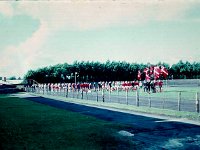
108,71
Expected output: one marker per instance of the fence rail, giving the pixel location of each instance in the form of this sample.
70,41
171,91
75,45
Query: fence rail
173,100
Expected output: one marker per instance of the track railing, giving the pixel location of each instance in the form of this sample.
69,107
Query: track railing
173,100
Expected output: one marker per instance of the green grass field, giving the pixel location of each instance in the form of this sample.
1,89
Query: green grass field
28,125
187,93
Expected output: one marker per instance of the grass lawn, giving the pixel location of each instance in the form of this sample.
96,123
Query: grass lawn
28,125
187,93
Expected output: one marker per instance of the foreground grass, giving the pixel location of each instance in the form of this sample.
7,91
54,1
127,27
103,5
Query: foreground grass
28,125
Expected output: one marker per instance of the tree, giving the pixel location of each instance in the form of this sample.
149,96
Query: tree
12,78
108,71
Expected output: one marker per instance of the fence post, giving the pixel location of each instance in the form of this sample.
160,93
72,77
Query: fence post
103,95
63,94
86,94
43,88
137,98
197,102
67,92
81,93
73,92
127,96
118,94
48,91
149,98
179,101
97,95
163,103
109,94
77,93
37,90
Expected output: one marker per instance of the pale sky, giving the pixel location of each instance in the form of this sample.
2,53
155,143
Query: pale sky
41,33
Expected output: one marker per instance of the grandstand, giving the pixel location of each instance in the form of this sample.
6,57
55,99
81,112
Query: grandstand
11,86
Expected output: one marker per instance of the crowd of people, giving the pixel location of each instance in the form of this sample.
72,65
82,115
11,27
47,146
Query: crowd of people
150,86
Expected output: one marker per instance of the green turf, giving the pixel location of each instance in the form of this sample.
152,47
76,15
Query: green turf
187,93
28,125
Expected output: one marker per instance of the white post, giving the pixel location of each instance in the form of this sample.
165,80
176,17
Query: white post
75,77
197,102
43,88
97,95
137,97
103,98
179,101
86,92
118,94
127,96
81,93
77,93
149,98
109,93
163,103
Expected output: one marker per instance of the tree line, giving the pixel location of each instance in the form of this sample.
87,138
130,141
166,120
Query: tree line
86,71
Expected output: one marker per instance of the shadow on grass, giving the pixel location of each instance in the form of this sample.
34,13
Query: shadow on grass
28,125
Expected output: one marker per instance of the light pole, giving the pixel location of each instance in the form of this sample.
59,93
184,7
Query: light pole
75,77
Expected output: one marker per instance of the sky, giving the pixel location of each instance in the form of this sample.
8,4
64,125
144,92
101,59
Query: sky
35,34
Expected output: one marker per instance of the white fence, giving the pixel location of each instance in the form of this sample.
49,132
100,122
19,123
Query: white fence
180,101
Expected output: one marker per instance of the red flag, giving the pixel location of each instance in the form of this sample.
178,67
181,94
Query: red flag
157,72
139,75
146,70
151,70
147,77
164,71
